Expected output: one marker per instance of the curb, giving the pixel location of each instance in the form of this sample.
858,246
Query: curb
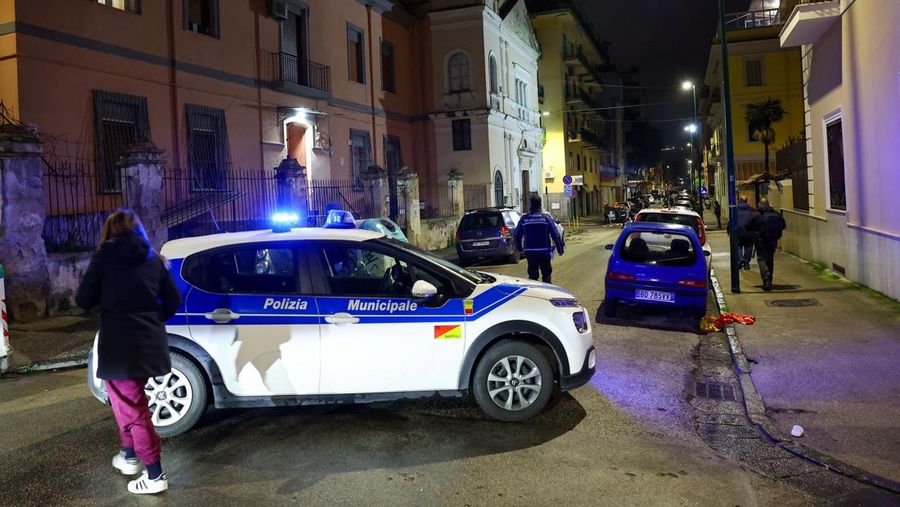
755,409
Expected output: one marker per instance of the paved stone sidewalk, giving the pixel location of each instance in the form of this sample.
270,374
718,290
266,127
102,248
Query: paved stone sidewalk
52,342
831,367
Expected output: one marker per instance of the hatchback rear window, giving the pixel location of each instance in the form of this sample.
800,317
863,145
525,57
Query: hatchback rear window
666,249
481,221
671,218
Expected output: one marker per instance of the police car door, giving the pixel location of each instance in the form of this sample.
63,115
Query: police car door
249,309
375,336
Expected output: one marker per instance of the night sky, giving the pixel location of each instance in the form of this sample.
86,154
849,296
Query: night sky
668,40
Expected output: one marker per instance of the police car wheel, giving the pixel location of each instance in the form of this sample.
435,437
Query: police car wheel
513,381
178,399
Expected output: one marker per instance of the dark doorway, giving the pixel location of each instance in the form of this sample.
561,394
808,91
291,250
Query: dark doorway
393,161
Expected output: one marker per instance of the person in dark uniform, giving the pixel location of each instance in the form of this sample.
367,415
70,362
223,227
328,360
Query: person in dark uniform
136,294
717,211
537,237
768,224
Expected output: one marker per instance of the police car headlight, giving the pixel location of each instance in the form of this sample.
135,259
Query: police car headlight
564,302
581,321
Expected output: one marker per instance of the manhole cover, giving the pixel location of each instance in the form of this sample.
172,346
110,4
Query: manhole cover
715,391
793,303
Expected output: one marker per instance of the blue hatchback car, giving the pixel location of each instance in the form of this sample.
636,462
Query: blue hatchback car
656,264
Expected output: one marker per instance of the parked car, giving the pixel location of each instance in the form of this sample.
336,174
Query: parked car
679,216
383,225
487,233
656,264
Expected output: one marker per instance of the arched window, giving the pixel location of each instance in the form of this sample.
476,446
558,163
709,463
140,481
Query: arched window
498,189
458,73
492,72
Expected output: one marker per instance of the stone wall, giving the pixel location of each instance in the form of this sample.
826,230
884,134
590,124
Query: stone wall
438,233
66,270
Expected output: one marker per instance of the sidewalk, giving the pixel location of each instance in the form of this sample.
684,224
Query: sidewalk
833,368
52,342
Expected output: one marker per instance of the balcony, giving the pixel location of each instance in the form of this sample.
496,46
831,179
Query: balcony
591,137
808,21
753,19
300,76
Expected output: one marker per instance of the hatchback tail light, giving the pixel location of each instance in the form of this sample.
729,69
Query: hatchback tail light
700,284
504,232
702,230
622,277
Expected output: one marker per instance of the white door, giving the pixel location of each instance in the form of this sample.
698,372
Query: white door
375,336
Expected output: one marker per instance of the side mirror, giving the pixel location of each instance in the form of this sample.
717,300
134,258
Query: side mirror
707,253
609,246
423,290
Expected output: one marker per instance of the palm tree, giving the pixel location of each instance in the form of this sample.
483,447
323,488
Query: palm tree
760,116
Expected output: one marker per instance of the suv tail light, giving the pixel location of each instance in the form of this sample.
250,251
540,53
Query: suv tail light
700,284
622,277
504,232
458,236
702,229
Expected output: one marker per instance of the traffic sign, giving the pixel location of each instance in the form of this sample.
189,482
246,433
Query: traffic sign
703,191
567,179
578,179
570,192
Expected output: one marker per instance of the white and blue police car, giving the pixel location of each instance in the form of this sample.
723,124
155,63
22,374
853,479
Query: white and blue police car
302,316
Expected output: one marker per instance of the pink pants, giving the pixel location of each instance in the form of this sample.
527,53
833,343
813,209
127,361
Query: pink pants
129,406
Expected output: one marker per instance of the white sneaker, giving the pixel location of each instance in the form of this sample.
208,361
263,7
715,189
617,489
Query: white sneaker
144,485
128,466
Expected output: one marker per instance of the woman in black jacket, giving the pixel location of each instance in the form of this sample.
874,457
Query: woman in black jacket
136,293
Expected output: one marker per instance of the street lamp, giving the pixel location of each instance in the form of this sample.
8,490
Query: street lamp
688,85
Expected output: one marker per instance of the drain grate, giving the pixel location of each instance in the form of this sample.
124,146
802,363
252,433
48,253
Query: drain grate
715,391
793,303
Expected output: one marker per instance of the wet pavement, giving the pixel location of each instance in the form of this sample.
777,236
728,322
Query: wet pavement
629,437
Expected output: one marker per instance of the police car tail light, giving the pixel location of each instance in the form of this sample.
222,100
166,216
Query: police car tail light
581,321
621,277
700,284
504,232
282,221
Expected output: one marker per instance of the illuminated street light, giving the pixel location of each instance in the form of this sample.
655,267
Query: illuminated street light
691,127
687,85
545,113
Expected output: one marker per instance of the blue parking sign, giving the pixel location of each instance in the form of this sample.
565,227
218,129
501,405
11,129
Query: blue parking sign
567,179
703,191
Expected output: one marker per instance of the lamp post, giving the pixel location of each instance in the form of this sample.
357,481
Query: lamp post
688,85
692,129
729,152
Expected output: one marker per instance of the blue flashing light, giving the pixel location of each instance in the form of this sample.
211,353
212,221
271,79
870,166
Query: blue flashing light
339,219
282,221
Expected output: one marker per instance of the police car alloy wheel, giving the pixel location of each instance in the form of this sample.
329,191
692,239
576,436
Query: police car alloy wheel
178,399
513,381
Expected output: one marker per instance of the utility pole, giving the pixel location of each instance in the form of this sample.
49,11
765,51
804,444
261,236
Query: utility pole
729,153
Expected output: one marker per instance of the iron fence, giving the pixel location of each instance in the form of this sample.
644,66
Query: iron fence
437,201
354,196
476,196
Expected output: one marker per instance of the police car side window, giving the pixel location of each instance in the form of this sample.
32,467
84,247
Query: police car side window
246,269
352,271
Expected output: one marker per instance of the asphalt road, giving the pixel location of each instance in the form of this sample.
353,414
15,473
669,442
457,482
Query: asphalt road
627,438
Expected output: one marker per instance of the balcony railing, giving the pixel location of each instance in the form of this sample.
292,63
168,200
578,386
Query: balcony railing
753,19
291,69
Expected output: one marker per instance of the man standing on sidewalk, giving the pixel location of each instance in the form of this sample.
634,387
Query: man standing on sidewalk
746,238
538,230
769,224
717,211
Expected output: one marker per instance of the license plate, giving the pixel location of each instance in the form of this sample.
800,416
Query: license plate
481,243
654,295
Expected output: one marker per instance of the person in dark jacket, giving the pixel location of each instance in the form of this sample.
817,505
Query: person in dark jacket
136,294
746,238
768,225
537,237
717,211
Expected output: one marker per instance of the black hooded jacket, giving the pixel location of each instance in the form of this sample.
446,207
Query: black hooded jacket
136,294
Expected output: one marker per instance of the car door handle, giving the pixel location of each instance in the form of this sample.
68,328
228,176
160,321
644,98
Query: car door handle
221,315
341,318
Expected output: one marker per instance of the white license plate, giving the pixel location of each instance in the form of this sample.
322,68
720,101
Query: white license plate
481,243
654,295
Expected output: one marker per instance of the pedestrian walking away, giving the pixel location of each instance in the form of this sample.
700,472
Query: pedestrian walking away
136,294
537,237
745,237
769,225
717,211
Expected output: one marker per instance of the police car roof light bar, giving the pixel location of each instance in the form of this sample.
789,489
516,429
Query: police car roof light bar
282,221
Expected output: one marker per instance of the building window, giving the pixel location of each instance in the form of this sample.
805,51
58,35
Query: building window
207,141
458,73
356,62
388,74
753,72
119,121
521,92
498,189
202,16
492,73
360,155
123,5
834,134
293,61
462,135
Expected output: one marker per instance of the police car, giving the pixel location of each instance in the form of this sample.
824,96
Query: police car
307,316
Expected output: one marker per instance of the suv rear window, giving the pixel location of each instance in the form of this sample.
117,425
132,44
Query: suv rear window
671,218
665,249
487,220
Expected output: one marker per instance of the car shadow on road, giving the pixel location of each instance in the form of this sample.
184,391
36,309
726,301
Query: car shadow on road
650,317
303,445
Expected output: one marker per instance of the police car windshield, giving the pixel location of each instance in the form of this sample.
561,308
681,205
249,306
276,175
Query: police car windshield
413,250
